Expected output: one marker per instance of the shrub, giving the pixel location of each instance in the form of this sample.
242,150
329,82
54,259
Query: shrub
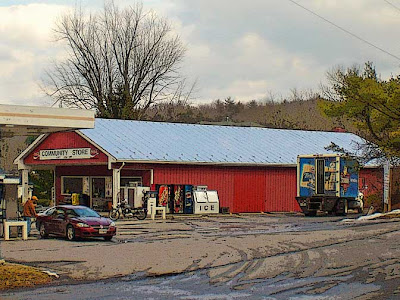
376,200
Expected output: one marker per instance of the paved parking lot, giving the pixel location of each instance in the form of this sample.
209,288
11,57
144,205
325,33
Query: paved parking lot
240,250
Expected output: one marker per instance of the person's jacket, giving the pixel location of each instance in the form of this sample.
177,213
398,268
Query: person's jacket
29,209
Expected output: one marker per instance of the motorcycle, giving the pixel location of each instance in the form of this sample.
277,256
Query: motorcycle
124,210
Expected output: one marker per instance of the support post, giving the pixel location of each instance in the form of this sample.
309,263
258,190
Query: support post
116,186
25,185
386,187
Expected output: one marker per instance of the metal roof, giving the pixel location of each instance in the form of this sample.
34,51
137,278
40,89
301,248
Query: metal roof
190,143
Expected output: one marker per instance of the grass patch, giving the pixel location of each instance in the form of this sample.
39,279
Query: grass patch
19,276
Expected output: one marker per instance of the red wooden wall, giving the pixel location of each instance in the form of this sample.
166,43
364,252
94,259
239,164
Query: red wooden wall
371,181
242,189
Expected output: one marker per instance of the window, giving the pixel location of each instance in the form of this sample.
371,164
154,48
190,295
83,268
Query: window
70,185
98,187
85,212
58,213
71,213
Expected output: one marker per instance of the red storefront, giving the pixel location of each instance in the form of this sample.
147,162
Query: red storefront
83,165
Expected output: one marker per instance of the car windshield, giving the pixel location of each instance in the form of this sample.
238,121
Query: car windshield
85,212
49,211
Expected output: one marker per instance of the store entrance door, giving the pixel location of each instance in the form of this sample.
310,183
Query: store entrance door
101,193
128,193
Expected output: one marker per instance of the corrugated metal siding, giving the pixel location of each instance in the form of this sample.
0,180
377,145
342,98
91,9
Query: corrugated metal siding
242,189
64,140
281,190
216,178
249,190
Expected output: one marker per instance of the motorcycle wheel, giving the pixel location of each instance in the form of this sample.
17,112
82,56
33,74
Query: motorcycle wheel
114,214
141,214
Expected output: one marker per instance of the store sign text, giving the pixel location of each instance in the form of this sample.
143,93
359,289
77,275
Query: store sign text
75,153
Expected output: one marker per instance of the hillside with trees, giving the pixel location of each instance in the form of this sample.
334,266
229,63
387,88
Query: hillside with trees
288,114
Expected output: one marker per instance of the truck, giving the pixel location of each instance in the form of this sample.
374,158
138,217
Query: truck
327,183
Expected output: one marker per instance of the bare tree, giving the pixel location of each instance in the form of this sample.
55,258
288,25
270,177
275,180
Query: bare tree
120,62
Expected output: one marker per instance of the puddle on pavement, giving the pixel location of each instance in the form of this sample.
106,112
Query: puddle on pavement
196,285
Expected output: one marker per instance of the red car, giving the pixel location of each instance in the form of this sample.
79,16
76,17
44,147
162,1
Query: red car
74,222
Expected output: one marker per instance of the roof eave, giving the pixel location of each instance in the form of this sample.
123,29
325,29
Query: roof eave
111,158
236,164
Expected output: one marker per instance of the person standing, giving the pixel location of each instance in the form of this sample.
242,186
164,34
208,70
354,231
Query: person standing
30,212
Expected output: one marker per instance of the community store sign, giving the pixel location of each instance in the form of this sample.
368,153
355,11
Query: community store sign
74,153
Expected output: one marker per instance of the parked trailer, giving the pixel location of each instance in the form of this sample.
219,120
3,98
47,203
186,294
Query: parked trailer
327,183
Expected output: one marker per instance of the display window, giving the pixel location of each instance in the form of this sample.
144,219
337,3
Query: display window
71,184
98,187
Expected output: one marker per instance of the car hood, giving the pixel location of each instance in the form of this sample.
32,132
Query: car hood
93,220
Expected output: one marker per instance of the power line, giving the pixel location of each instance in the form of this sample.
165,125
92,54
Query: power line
345,30
391,4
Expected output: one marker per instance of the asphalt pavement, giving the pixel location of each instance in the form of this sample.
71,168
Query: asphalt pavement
261,256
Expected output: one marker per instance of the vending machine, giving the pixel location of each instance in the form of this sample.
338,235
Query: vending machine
188,205
164,196
178,202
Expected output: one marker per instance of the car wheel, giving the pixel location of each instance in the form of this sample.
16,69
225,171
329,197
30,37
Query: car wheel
70,233
42,231
107,238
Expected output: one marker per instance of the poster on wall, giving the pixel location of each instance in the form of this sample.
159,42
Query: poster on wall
85,185
108,183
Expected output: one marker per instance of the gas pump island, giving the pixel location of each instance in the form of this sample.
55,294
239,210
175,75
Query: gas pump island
16,120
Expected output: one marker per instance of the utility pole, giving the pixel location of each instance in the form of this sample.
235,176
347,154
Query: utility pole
386,187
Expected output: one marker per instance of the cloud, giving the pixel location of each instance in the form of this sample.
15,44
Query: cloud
26,48
279,44
242,49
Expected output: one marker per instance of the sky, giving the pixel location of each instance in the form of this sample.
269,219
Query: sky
253,49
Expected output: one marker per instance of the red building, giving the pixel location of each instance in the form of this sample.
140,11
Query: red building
253,169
